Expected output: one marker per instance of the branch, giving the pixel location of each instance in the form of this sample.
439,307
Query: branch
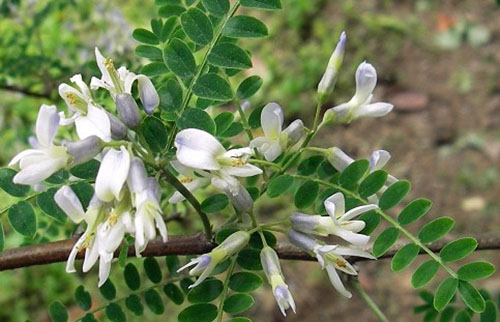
24,91
177,245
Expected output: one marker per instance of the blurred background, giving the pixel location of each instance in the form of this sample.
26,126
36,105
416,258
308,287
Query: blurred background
438,62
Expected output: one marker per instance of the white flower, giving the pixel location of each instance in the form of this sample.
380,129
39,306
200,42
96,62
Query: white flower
200,150
38,164
112,174
89,118
121,81
190,178
360,104
276,140
327,83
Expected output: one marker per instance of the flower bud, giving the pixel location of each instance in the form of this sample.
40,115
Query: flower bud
234,242
270,262
241,200
310,224
302,241
128,110
338,159
147,93
84,150
137,177
294,132
329,78
118,129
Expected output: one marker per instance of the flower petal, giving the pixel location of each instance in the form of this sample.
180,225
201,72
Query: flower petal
246,170
68,201
148,94
112,174
271,120
366,80
379,159
335,205
39,171
338,159
337,282
357,211
374,110
96,122
46,125
198,149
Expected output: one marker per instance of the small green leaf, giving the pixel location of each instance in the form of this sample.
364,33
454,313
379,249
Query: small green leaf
202,312
230,56
385,241
217,8
249,259
179,59
471,297
196,118
279,185
424,273
155,133
82,297
89,317
156,25
372,220
394,194
235,129
238,303
132,278
223,122
59,177
447,314
476,270
490,312
256,240
84,191
174,293
435,229
309,165
414,210
168,28
215,203
463,316
404,257
214,87
58,312
149,52
306,194
254,118
16,190
87,170
49,207
239,319
145,36
115,313
262,4
223,234
354,172
244,27
170,96
170,11
22,219
373,183
108,290
445,293
133,304
154,301
458,249
197,26
154,69
244,282
248,87
207,291
152,269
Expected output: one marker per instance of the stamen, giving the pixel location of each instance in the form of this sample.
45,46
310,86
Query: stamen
186,179
108,63
237,162
72,98
340,263
113,218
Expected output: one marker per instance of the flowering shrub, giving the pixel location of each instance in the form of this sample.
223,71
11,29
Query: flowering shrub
182,130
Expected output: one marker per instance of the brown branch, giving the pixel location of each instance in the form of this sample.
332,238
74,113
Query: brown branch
178,245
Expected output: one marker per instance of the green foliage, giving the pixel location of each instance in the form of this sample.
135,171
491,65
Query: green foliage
108,290
372,183
83,298
385,241
197,26
404,257
87,170
46,203
445,293
248,87
306,194
207,291
475,270
218,8
424,273
249,259
115,313
279,185
152,269
238,303
262,4
131,276
155,133
133,304
196,118
394,194
244,27
229,55
309,165
471,296
244,282
213,87
154,301
174,293
353,173
215,203
179,59
435,229
414,210
16,190
22,219
458,249
58,312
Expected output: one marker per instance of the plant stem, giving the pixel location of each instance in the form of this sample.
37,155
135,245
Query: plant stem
244,120
368,300
220,311
264,162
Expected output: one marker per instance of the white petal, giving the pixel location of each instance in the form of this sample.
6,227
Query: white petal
68,201
104,269
91,256
366,80
46,125
348,251
357,211
147,92
354,225
100,60
246,170
96,122
65,91
374,110
181,169
271,120
78,80
96,83
70,265
198,149
33,154
337,282
112,174
335,205
243,153
273,151
351,237
191,186
338,159
162,228
37,172
379,159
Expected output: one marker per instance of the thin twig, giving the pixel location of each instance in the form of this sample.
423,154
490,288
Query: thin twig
368,300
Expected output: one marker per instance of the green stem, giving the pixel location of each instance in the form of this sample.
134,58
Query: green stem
264,162
368,300
244,120
220,311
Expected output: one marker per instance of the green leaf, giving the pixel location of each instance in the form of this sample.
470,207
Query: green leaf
235,129
214,87
87,170
168,28
309,165
154,69
445,293
262,4
2,237
372,220
133,304
82,297
108,290
115,313
385,241
414,210
132,278
154,301
155,133
249,259
306,194
215,203
59,177
424,273
49,207
152,269
239,319
217,8
145,36
223,234
256,241
156,26
458,249
84,191
238,303
174,293
198,119
354,172
244,27
179,59
279,185
435,229
471,297
197,26
58,312
248,87
230,56
185,283
463,316
254,118
476,270
244,282
223,122
149,52
16,190
170,11
447,314
207,291
394,194
170,96
373,183
22,219
404,257
202,312
490,312
89,317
